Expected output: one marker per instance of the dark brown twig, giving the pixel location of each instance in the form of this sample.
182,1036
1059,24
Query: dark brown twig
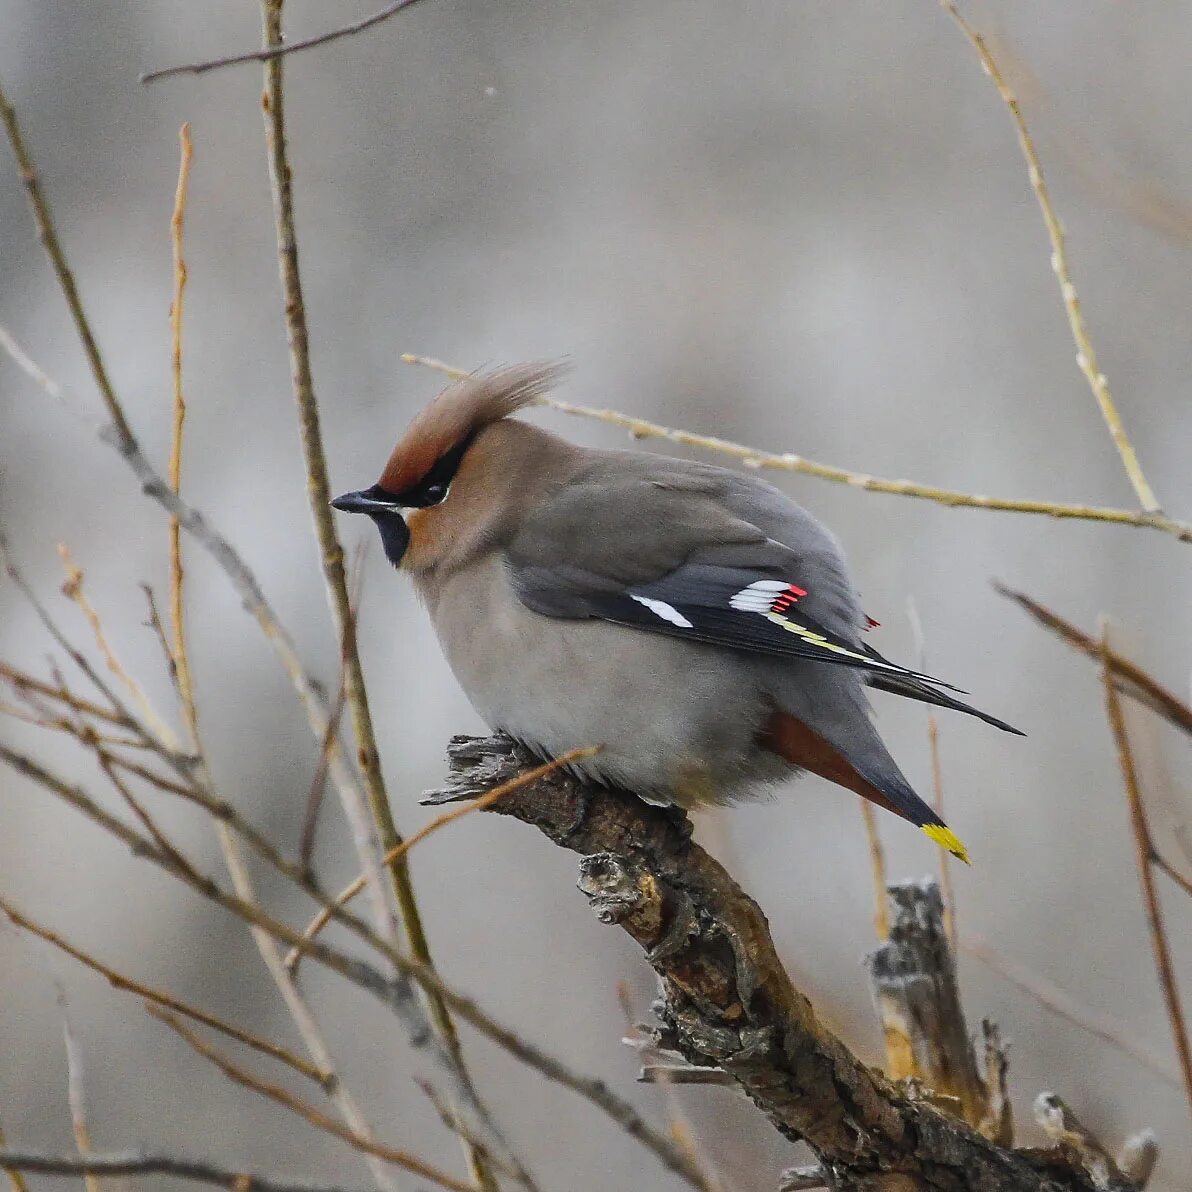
292,47
140,1163
1144,853
1129,678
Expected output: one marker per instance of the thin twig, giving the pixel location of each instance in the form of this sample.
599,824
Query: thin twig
1129,678
318,784
1058,1001
1144,851
354,887
452,1122
302,1109
140,1163
281,179
119,436
263,55
73,589
178,650
1161,862
1086,358
76,1092
937,780
392,993
127,984
672,1074
16,1181
753,457
47,234
877,868
25,682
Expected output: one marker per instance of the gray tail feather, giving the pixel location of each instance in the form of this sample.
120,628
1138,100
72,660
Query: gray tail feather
916,689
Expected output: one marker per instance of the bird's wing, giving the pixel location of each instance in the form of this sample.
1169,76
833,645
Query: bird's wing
668,555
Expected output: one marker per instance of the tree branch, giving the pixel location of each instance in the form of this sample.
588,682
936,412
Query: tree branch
753,457
727,1002
264,55
281,178
140,1163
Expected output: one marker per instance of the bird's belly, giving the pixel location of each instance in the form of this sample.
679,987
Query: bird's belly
676,721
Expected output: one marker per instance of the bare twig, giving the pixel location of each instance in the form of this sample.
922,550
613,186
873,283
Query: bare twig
178,650
354,887
394,994
671,1074
76,1092
47,234
1161,862
1128,678
302,1109
74,590
1058,1001
937,780
16,1181
753,457
23,682
1086,358
120,437
318,784
139,1163
1144,851
318,488
127,984
264,55
877,867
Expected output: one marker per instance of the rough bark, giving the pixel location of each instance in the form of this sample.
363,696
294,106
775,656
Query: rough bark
727,1002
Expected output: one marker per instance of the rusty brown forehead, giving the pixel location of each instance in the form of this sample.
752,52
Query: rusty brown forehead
460,411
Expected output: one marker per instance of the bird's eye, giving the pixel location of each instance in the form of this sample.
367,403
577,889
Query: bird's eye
435,493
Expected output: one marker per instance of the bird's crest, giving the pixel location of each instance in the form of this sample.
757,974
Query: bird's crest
459,412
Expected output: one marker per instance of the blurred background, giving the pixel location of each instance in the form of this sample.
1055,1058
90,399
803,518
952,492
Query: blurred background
802,225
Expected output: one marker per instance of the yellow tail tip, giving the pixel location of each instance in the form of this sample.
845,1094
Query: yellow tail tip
948,839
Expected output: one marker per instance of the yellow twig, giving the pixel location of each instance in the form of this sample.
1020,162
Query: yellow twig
73,588
399,851
877,866
753,457
1144,852
177,612
1086,357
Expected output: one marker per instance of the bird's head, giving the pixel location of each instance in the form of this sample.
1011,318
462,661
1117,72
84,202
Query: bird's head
424,464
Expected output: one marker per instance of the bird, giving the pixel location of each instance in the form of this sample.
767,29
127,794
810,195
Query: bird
693,622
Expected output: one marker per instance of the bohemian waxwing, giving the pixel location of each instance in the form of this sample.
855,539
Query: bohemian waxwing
694,622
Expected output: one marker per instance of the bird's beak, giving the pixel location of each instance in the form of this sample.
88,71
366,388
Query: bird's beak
362,502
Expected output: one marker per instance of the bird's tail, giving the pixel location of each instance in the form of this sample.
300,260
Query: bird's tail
914,688
879,781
